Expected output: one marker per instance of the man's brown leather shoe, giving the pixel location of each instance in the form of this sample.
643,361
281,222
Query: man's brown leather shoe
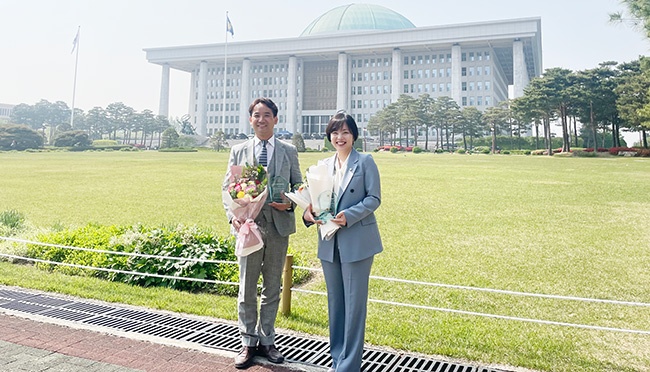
271,353
245,357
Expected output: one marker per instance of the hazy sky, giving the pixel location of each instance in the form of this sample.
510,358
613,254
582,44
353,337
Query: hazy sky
36,39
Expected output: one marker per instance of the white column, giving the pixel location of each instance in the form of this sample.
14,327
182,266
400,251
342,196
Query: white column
396,82
201,111
245,96
519,71
163,106
292,97
342,82
456,73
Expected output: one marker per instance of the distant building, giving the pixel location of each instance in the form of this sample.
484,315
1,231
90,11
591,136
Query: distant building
357,58
5,111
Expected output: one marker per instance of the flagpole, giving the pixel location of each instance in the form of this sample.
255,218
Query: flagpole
74,85
225,79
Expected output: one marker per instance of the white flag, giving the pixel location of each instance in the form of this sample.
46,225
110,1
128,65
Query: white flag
75,41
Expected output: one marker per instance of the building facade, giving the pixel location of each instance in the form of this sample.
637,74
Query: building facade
357,58
5,111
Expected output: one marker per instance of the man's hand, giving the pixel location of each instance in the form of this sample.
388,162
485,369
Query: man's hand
280,206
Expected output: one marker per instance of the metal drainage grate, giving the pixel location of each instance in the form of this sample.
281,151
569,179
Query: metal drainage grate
215,335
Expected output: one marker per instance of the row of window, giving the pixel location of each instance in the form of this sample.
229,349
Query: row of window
371,89
475,56
480,85
428,59
445,58
476,101
470,71
427,88
446,72
359,104
371,62
368,76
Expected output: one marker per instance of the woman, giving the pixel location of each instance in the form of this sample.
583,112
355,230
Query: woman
347,257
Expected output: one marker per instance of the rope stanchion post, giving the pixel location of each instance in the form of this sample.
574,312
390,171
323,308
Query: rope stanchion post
287,283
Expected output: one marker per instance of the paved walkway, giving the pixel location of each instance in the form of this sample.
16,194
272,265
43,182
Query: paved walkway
35,346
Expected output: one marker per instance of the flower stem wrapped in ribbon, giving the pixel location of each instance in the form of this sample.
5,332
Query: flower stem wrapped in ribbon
244,198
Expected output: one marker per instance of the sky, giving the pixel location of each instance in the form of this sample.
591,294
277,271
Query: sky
36,39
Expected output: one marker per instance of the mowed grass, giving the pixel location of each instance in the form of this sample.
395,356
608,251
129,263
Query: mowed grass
548,225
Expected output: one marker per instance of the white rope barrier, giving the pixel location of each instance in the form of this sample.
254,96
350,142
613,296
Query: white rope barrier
485,315
500,291
298,290
116,271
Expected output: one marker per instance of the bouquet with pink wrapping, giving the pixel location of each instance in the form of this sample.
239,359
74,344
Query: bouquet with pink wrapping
246,195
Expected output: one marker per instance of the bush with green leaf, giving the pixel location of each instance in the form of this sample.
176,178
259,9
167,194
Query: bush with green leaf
193,246
11,221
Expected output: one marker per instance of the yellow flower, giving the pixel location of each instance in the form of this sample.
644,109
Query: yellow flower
240,195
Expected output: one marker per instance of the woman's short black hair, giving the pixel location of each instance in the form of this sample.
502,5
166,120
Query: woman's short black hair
336,123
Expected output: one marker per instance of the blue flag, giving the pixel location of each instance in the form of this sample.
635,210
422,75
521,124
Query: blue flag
229,26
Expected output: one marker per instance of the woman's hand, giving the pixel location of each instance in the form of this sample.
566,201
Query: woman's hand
340,219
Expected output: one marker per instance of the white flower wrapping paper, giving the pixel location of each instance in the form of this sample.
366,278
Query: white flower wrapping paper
318,192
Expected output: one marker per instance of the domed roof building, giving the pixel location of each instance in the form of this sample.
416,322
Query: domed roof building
357,57
357,17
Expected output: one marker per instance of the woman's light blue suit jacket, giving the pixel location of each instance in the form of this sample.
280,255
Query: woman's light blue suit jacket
359,196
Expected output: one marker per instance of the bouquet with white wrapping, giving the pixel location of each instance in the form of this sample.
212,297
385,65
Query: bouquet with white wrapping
317,191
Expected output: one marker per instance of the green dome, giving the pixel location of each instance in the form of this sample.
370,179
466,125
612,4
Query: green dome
357,17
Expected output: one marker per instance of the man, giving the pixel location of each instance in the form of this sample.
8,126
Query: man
276,221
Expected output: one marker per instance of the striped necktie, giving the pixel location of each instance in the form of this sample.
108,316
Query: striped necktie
263,154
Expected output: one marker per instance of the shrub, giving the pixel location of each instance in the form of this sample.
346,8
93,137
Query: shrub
620,150
417,149
584,154
644,152
73,138
104,142
461,151
19,137
11,221
192,245
393,149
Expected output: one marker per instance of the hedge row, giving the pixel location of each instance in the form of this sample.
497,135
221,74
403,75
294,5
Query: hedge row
175,241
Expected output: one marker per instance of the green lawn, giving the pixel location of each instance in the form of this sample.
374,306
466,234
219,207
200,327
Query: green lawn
561,226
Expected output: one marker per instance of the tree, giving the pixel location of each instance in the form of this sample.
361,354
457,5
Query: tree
447,116
169,138
428,108
97,123
218,141
639,15
495,118
118,115
19,137
633,96
471,125
298,141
